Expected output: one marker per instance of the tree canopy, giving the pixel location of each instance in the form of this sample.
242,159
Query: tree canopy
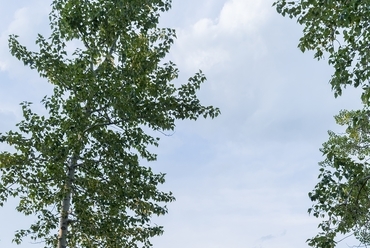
339,29
342,194
77,168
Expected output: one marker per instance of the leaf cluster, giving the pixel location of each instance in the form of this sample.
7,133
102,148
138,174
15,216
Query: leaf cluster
339,28
342,194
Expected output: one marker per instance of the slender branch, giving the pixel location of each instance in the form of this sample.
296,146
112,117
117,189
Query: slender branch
109,54
112,48
345,237
101,124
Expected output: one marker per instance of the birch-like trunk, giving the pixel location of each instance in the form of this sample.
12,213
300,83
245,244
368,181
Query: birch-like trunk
64,220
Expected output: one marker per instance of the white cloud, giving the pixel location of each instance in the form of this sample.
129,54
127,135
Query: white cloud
3,66
210,42
26,22
22,18
243,15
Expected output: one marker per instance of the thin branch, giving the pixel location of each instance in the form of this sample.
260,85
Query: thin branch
345,237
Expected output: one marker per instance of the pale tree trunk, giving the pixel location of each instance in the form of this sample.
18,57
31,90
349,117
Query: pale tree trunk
64,220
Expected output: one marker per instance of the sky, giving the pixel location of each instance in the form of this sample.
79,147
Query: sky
242,179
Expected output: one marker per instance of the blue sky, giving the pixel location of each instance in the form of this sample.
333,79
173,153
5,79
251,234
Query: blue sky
240,180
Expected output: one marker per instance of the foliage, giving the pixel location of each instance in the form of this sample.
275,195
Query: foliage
77,168
339,28
342,194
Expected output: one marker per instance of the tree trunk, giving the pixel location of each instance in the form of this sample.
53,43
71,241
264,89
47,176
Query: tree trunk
64,220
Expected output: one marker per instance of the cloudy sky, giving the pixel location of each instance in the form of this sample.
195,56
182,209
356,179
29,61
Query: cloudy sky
240,180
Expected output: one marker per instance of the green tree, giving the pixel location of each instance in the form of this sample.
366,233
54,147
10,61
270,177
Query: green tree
339,29
342,195
77,168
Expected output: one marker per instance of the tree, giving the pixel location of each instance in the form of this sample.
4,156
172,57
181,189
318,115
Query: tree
342,195
340,30
78,168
